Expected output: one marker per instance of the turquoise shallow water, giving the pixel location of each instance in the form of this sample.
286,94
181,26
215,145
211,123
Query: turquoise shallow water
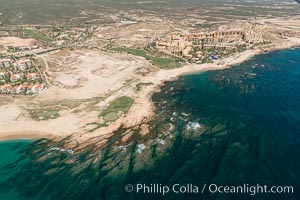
229,127
9,152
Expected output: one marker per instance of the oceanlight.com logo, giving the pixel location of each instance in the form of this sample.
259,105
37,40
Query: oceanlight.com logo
210,188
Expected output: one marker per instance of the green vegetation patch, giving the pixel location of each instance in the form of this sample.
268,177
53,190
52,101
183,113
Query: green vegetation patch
121,104
111,117
44,114
164,63
38,36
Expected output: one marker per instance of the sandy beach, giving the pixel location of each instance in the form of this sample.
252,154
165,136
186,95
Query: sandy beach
24,135
104,75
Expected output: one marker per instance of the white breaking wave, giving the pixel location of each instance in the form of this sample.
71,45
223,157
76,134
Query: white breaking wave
171,127
140,148
185,114
193,126
160,141
70,151
122,148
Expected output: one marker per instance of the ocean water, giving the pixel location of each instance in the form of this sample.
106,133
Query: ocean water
235,126
9,153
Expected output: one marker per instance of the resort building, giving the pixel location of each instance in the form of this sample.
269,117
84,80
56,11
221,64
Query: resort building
188,45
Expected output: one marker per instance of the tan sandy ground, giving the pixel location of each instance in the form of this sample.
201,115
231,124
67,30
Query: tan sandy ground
15,41
85,75
81,77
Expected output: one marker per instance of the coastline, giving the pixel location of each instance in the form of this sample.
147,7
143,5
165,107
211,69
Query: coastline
24,135
143,109
145,103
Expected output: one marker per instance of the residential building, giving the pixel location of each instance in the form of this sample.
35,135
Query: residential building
36,88
5,63
18,89
3,74
16,77
5,89
32,76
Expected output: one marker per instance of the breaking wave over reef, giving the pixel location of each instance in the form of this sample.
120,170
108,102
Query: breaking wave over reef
229,127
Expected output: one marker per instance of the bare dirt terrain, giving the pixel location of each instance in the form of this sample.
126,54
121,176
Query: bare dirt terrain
82,83
16,42
86,74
